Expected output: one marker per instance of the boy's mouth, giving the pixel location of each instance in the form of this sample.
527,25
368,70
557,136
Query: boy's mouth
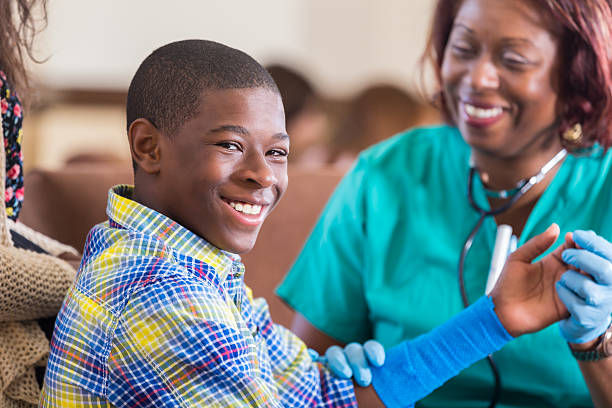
245,208
248,213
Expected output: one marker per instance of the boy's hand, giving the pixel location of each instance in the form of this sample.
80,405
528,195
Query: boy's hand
354,360
525,297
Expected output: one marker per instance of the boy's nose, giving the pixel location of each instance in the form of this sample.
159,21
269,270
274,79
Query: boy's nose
257,170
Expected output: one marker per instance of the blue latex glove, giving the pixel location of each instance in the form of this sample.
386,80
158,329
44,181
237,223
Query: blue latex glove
589,301
354,360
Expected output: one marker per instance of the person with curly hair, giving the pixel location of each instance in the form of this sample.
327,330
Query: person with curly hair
35,271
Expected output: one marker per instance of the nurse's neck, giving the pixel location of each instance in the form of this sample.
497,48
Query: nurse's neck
503,173
498,172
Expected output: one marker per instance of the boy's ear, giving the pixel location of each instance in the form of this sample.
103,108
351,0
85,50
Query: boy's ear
144,139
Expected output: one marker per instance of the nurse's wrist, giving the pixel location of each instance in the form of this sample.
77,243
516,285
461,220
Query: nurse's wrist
506,314
589,345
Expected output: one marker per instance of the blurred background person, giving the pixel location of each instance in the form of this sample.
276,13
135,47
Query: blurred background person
306,118
376,113
34,270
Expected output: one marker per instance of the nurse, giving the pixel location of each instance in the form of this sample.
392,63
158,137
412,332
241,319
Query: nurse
402,245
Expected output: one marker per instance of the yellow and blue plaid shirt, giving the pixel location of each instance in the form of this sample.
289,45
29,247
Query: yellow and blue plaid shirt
160,317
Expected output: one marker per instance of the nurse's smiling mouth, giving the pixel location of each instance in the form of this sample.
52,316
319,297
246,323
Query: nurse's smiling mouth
481,114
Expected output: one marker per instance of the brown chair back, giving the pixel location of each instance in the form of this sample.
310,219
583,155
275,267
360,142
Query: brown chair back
64,204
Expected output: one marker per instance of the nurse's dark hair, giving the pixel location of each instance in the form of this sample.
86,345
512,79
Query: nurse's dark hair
168,86
585,46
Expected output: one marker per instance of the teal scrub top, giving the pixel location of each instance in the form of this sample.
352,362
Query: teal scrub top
382,261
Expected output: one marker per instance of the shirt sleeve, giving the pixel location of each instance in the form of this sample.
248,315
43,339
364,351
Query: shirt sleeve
328,274
177,345
300,382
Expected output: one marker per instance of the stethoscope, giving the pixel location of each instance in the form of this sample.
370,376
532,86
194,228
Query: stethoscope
513,195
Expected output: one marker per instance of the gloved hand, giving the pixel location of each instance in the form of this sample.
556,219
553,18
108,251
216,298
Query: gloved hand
353,361
588,298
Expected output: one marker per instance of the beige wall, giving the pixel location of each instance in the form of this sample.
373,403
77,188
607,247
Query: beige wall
341,44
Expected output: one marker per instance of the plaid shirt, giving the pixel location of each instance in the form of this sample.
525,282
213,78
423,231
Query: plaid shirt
160,317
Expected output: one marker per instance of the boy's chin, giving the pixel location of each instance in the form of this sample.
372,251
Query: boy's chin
240,247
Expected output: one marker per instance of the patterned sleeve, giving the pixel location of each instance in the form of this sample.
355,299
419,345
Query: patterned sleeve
12,118
178,345
299,381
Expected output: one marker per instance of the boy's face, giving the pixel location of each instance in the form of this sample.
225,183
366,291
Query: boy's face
225,169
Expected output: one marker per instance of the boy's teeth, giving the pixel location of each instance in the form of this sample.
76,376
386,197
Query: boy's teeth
482,113
253,209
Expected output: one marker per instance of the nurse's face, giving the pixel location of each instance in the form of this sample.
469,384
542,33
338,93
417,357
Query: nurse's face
499,76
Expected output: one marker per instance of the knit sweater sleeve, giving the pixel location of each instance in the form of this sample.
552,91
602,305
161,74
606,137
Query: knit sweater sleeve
32,285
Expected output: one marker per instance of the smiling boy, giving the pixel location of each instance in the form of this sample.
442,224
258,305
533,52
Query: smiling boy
159,314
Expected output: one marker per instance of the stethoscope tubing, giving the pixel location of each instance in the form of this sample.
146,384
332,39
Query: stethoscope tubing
523,188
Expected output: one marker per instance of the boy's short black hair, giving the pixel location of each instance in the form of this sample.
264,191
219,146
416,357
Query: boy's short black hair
167,87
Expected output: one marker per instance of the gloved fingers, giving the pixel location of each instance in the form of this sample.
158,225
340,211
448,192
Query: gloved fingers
337,363
591,293
572,332
585,316
590,241
357,361
595,265
375,353
314,355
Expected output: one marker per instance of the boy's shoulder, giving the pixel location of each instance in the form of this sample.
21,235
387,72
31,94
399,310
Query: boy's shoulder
130,288
119,263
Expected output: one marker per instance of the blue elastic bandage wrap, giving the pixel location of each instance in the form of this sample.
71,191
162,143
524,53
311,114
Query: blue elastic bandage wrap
414,368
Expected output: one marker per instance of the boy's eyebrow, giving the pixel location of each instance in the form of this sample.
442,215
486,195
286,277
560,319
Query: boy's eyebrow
230,128
243,131
281,136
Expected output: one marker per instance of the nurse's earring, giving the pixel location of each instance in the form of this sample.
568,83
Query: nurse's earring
574,134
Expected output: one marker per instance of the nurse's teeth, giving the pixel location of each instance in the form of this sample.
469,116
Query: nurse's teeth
246,208
482,113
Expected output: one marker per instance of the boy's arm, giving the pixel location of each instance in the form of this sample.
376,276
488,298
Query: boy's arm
178,345
299,380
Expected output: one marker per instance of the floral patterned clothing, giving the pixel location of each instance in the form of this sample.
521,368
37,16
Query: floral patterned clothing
12,117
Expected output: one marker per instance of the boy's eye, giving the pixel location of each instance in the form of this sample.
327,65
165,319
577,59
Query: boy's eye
229,146
278,153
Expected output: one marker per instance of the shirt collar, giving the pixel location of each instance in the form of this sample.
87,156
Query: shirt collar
123,210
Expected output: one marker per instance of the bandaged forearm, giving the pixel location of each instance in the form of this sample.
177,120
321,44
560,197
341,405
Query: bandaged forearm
414,368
